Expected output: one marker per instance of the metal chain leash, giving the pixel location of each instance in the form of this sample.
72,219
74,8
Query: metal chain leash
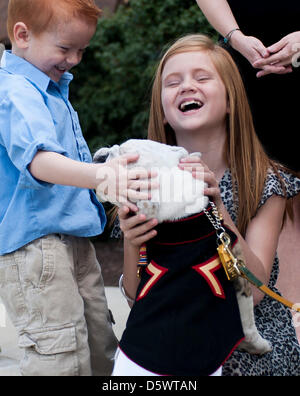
216,220
228,259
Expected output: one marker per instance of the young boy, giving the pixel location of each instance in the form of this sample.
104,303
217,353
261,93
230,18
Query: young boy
50,280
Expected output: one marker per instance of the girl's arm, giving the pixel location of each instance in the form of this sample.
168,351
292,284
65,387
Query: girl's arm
136,231
260,242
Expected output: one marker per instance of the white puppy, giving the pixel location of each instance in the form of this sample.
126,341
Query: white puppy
180,195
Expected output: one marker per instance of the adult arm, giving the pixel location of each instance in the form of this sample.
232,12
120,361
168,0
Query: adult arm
220,16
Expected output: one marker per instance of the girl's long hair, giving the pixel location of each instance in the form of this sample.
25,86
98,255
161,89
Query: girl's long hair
247,160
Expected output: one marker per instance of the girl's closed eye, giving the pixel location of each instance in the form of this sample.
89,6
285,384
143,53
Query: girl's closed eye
202,77
172,83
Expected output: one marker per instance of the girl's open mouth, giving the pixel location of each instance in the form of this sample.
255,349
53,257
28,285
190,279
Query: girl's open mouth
190,105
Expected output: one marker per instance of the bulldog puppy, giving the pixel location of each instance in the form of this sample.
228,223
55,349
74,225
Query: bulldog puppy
181,195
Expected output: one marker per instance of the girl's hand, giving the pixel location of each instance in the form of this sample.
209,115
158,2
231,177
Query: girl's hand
193,164
136,229
283,54
201,171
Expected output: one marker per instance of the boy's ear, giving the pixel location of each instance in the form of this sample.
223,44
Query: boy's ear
21,35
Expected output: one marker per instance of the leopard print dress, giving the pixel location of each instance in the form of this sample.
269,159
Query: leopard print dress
273,320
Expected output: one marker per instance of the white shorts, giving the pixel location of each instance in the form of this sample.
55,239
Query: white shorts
126,367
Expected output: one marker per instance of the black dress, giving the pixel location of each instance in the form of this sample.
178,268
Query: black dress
273,98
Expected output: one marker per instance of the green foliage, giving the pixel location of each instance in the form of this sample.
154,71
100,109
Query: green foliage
111,88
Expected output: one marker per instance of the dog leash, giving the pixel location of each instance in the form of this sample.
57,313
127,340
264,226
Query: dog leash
234,266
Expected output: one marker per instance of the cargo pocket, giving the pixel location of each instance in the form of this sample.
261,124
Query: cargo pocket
49,352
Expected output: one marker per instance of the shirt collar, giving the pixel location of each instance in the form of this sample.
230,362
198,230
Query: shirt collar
17,65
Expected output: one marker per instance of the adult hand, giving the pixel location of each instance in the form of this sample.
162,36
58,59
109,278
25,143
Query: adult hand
284,53
255,51
135,227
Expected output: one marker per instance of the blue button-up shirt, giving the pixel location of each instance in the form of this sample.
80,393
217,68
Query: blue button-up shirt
35,114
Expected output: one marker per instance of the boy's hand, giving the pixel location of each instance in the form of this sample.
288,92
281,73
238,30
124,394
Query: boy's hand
122,186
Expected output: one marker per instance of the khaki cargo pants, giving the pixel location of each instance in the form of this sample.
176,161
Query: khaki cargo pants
53,292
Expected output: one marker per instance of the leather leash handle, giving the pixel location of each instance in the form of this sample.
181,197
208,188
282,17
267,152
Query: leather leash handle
236,267
245,273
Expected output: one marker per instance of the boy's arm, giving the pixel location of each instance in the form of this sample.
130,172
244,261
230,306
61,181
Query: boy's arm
112,178
57,169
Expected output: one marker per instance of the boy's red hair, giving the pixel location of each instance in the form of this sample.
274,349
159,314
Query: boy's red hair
40,15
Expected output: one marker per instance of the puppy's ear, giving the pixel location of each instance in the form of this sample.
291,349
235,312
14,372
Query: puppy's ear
106,153
101,155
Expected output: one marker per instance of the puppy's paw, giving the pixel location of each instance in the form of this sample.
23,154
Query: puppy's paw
255,344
